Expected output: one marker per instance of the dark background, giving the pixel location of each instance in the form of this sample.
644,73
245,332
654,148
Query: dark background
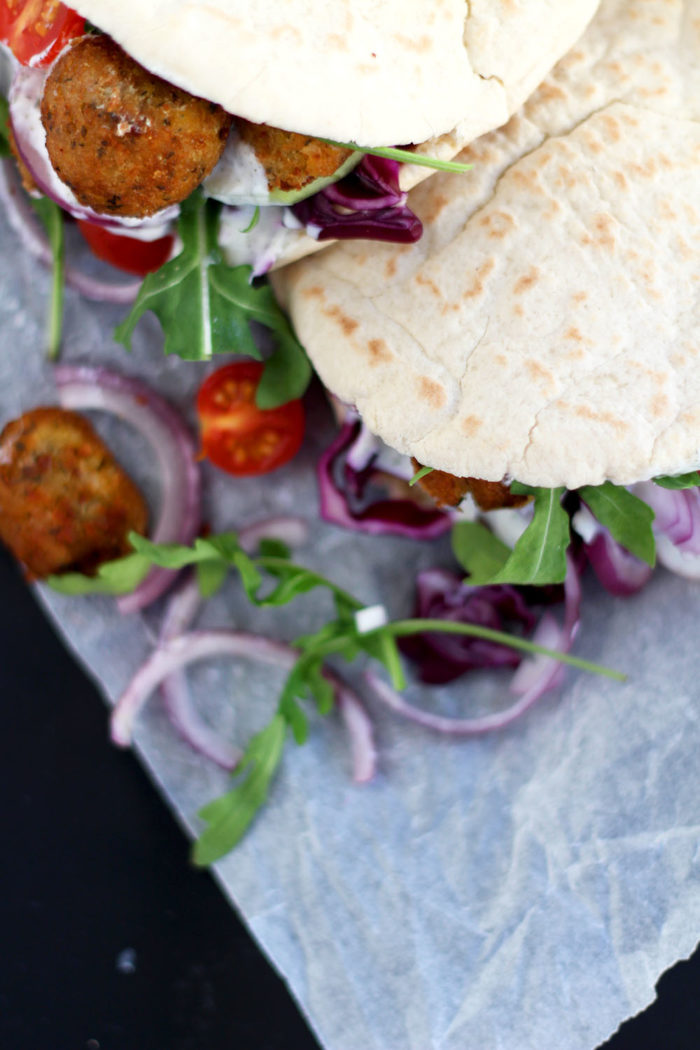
110,940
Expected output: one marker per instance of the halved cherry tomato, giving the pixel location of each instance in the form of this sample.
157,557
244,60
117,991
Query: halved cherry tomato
239,437
127,253
36,31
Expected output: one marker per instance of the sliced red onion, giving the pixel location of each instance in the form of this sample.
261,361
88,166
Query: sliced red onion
180,613
185,649
291,530
367,203
24,222
676,514
173,655
340,485
619,571
178,519
534,677
30,139
443,595
360,729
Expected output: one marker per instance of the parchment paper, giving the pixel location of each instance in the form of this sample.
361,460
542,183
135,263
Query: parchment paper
514,892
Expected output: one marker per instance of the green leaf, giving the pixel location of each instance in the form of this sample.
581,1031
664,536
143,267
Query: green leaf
114,577
679,481
320,687
628,518
52,218
405,156
205,307
422,473
4,128
254,221
211,576
380,645
272,548
250,577
478,550
230,816
539,556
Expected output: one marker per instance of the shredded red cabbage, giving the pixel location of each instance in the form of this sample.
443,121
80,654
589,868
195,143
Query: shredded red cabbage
442,595
368,203
344,499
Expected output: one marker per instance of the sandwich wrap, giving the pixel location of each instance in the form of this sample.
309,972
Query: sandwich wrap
547,326
377,74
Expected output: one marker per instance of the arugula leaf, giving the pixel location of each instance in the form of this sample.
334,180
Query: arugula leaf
52,218
4,128
405,156
478,550
679,481
230,816
205,307
627,518
120,576
422,473
254,221
539,556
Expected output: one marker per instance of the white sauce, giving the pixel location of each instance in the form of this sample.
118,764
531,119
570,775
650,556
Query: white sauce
239,177
271,237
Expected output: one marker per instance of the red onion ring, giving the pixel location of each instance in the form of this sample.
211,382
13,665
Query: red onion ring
176,653
535,676
178,520
185,649
291,530
619,571
179,615
24,222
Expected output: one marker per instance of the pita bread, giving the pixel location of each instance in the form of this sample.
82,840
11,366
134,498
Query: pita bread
547,326
377,72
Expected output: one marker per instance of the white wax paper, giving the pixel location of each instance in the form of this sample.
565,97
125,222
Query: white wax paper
514,892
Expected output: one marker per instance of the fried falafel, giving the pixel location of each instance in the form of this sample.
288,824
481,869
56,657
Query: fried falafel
126,142
65,502
291,161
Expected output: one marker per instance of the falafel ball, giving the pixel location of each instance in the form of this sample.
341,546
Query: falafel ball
126,142
65,502
291,160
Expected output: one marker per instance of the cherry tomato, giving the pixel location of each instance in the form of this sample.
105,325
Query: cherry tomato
36,31
239,437
127,253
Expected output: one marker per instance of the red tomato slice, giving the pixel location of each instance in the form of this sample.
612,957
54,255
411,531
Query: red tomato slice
239,437
127,253
37,30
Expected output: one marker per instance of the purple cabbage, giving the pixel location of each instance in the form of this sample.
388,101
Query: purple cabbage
368,203
345,497
442,595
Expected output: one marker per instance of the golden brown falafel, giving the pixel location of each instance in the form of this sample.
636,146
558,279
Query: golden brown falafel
65,503
291,161
125,141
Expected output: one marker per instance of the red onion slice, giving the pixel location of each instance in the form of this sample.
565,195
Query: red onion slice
183,650
176,653
178,519
360,729
291,530
535,676
24,222
179,616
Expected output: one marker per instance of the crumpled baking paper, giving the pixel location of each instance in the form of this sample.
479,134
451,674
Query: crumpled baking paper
517,891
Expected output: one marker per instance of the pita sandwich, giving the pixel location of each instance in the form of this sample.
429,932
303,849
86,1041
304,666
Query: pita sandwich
547,327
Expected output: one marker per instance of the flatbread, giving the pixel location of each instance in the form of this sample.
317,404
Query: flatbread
377,72
547,326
